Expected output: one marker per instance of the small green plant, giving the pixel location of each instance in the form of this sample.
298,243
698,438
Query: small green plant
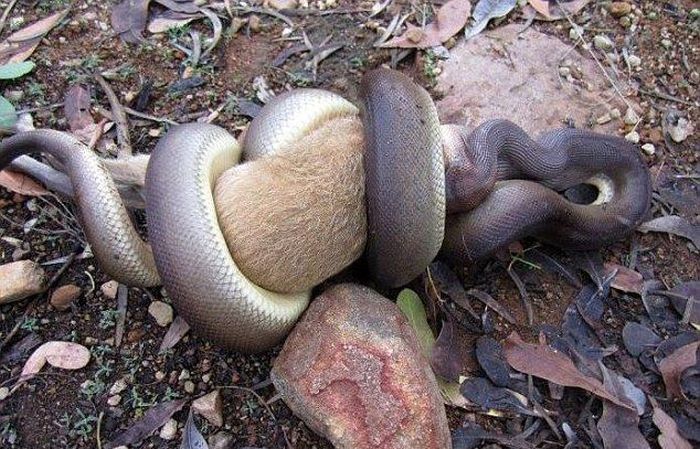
108,318
30,324
10,72
177,32
90,62
79,425
170,394
358,62
51,5
430,66
140,403
36,91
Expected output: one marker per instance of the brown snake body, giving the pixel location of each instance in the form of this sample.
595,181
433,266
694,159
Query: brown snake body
495,184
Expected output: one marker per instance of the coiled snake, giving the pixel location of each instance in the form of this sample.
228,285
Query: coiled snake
427,188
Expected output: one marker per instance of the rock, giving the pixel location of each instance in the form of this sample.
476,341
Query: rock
519,78
114,400
254,23
603,119
564,71
210,406
109,289
649,149
118,386
63,296
666,43
162,312
678,128
353,371
631,117
282,4
602,42
221,440
169,430
20,279
4,392
189,387
632,136
619,9
634,61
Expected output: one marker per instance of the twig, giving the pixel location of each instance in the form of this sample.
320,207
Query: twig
523,295
99,130
269,12
98,430
666,97
120,119
122,295
6,13
41,108
145,116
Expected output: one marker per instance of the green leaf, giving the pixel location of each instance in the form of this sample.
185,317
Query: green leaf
14,70
8,115
411,306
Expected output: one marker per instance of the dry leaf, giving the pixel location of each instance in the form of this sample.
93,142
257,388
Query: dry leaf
557,9
451,18
669,438
673,224
542,7
486,10
59,354
543,361
129,19
672,366
21,44
178,328
77,108
154,418
22,184
618,426
625,279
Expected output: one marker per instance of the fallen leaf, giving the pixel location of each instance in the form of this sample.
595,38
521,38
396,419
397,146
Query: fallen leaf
472,435
489,353
411,305
20,349
178,328
618,426
452,354
638,338
129,19
59,354
673,224
191,436
669,438
625,279
541,6
154,418
451,18
483,393
683,293
486,10
557,9
162,24
21,44
673,365
492,303
15,70
591,263
179,6
20,183
8,114
76,107
543,361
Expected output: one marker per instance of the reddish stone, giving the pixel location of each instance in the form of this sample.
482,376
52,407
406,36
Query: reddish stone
353,370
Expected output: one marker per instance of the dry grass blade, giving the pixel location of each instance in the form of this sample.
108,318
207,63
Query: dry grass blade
218,27
492,303
154,418
120,119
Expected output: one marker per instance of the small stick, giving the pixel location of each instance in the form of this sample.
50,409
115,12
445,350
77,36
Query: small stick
120,119
145,116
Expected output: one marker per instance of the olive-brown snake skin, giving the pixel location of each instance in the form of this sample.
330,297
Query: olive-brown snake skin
428,188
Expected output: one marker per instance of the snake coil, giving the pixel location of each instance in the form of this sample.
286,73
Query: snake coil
429,189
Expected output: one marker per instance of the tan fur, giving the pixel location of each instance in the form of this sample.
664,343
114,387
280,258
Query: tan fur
293,219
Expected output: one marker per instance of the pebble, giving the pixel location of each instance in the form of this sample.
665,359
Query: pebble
602,42
575,33
184,375
603,119
649,149
625,22
210,407
113,401
632,136
666,43
14,96
169,430
619,9
161,312
160,375
20,280
4,392
615,113
63,296
118,386
631,117
220,440
109,289
254,23
283,4
680,130
634,61
564,71
189,387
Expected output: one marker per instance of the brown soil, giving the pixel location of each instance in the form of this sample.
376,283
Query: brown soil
54,410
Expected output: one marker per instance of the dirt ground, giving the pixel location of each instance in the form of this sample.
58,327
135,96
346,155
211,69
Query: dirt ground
64,409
